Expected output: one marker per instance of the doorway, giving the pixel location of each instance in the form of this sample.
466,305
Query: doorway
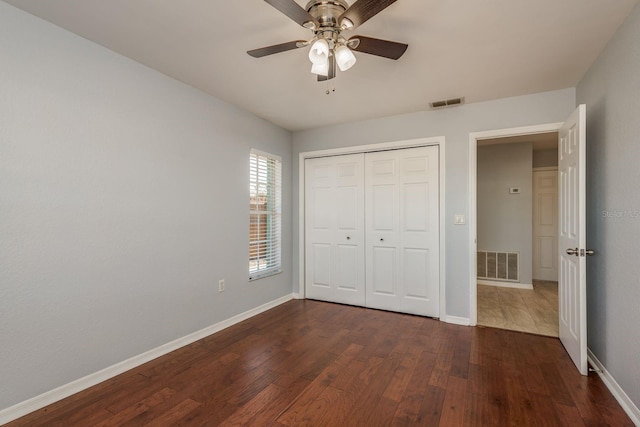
517,226
504,298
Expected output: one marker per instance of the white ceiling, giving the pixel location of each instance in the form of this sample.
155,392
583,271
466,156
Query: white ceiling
480,50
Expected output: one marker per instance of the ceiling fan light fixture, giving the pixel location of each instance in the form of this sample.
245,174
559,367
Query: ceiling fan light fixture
321,69
344,58
319,52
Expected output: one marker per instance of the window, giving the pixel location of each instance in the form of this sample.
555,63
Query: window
265,206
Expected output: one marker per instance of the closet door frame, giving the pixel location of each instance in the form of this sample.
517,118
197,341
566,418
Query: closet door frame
421,142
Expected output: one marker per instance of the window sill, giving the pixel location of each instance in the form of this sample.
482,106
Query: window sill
263,275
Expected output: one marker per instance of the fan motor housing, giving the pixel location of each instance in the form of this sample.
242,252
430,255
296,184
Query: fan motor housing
327,12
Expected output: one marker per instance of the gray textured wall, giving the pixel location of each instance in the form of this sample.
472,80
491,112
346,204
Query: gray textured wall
505,221
454,124
611,90
545,158
123,199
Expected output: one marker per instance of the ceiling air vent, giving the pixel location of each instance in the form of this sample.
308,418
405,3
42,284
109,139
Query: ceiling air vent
447,103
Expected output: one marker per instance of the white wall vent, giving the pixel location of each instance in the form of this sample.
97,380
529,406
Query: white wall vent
447,103
503,266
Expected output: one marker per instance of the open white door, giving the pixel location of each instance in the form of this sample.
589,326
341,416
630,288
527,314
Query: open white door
572,292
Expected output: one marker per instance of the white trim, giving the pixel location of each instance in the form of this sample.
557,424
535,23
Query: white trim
420,142
296,295
455,320
515,285
627,404
546,169
23,408
473,178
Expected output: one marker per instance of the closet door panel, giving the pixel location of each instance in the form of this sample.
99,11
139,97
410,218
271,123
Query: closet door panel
402,222
334,229
419,230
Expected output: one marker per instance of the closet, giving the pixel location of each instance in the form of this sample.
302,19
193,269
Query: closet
372,230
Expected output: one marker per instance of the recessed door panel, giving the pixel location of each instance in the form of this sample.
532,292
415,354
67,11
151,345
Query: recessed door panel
383,206
346,257
415,165
416,207
547,251
384,271
384,167
321,215
346,208
321,254
416,273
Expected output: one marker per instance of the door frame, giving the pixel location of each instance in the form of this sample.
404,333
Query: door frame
474,137
394,145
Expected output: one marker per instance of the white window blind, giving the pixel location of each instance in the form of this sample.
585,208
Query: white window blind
265,205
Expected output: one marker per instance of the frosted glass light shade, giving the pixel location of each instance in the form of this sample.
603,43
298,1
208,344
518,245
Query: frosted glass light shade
321,69
319,52
345,58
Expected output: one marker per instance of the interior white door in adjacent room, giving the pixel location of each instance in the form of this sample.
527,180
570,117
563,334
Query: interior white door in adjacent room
545,225
334,229
572,279
402,230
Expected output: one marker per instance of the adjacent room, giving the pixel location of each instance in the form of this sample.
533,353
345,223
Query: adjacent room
344,212
517,193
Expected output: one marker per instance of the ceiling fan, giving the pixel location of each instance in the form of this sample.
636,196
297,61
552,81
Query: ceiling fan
327,19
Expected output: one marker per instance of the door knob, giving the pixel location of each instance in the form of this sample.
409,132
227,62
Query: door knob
382,240
572,251
348,237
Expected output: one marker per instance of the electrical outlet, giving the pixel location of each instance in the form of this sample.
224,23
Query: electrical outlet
221,285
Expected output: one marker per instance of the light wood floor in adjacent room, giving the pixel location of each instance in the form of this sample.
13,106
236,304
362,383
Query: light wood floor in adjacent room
308,363
534,311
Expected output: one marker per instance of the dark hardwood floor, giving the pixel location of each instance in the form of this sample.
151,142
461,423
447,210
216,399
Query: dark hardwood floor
308,363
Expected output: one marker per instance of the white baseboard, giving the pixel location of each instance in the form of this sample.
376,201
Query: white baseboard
464,321
23,408
505,284
296,296
627,404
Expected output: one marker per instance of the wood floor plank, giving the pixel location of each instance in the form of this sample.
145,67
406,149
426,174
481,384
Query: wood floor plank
453,408
173,415
315,363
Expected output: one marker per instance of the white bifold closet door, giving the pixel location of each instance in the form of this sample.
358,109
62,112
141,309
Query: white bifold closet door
372,230
334,229
402,231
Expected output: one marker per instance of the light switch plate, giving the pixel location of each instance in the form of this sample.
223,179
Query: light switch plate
459,219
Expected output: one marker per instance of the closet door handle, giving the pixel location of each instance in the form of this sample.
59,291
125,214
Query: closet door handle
382,240
348,237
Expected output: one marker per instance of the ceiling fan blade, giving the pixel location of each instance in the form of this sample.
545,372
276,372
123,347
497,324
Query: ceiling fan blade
277,48
332,70
295,12
363,10
378,47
